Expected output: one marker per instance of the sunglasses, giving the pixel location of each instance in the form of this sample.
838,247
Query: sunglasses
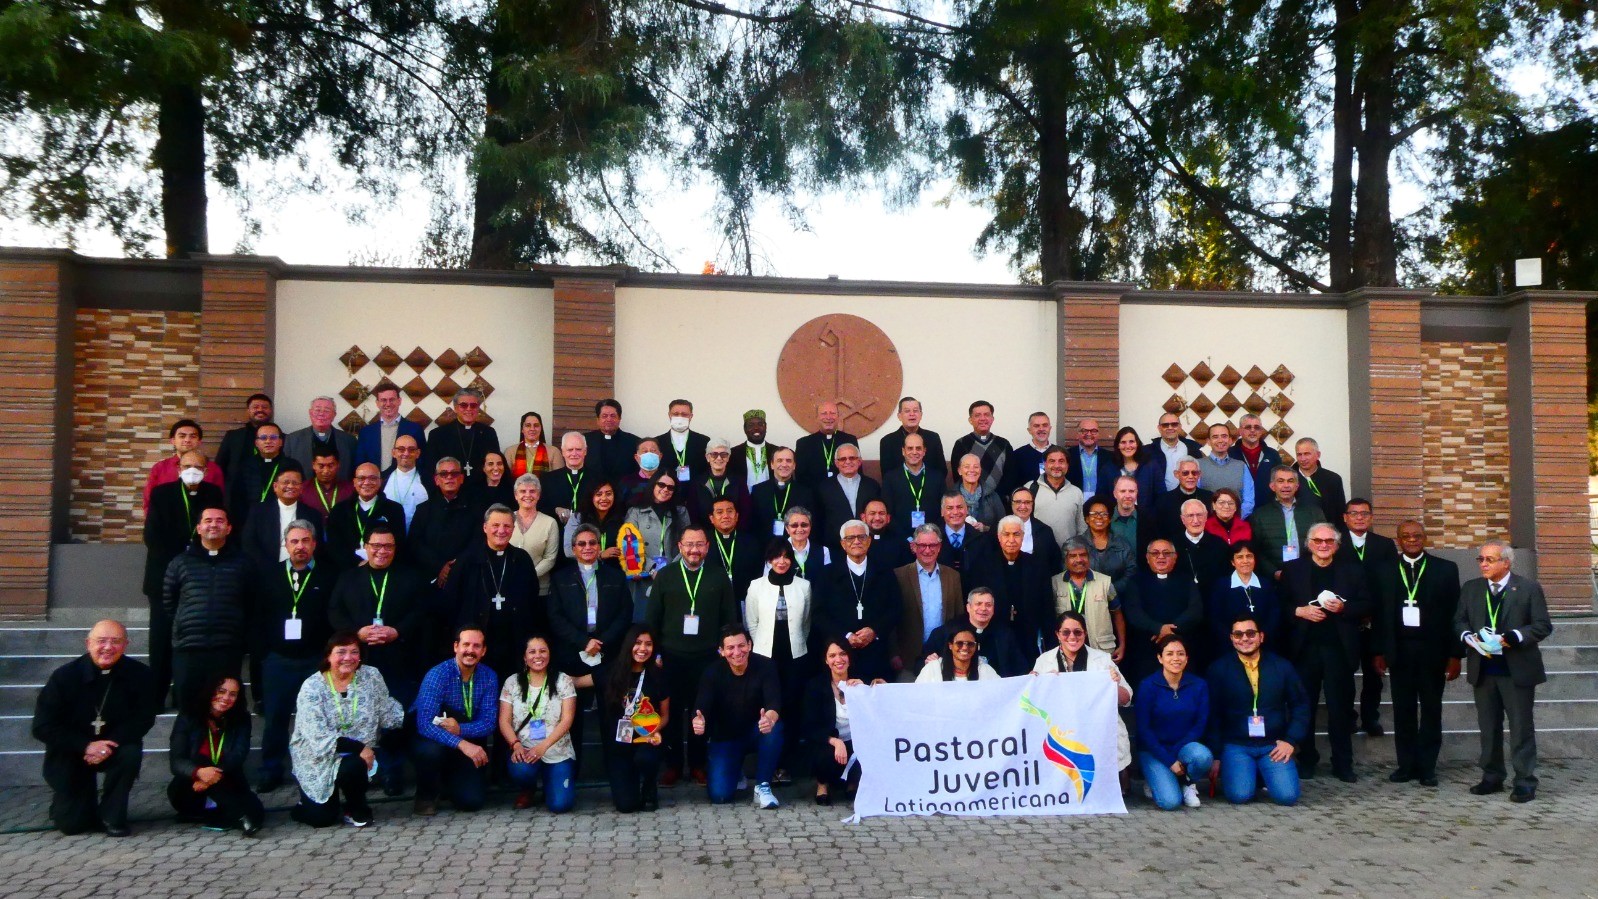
1244,635
964,644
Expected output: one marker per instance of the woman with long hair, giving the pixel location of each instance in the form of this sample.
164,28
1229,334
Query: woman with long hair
827,720
210,742
536,710
530,454
957,660
634,711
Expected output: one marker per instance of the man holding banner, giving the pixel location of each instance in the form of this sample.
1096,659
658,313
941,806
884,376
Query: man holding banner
1006,746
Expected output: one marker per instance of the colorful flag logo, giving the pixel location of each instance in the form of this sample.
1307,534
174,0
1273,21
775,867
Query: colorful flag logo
1070,756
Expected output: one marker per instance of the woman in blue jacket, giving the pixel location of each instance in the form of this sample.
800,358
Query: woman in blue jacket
1173,709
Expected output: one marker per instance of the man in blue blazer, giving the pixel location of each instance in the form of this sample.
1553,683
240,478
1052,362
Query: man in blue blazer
1091,463
376,441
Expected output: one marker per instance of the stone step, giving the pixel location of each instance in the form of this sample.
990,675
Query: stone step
56,639
1465,745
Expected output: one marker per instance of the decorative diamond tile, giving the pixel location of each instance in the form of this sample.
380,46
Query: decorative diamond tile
1229,403
1200,432
1281,404
485,418
1281,432
382,383
479,383
352,423
446,389
477,360
448,361
354,360
418,360
418,416
1175,405
1229,377
1201,405
388,360
416,388
448,415
1281,377
1255,377
1255,404
353,393
1202,374
1174,376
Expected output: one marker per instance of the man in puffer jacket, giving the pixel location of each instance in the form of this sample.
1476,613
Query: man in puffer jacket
206,595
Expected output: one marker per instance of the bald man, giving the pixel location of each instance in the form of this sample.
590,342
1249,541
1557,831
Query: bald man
92,716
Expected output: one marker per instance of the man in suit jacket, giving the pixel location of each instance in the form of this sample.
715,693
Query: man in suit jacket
1093,469
844,497
929,595
1276,541
1169,448
961,542
816,453
888,545
1168,507
238,445
1323,640
590,609
375,442
1324,485
1418,597
860,601
1260,458
169,522
682,449
301,445
1023,591
1158,601
1514,608
610,449
771,499
567,487
911,488
891,447
733,552
1376,555
262,540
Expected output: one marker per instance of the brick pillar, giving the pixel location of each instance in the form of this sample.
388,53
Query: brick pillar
1548,466
238,337
1385,364
585,350
35,403
1090,357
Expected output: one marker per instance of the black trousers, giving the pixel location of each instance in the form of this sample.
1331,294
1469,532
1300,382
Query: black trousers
77,803
683,673
350,784
1324,667
1498,698
1418,671
1370,687
160,649
632,769
825,765
194,669
232,796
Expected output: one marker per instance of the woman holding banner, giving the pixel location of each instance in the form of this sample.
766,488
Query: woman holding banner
827,719
958,661
1171,721
1074,655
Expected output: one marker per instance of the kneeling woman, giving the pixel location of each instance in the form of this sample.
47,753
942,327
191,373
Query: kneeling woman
340,713
536,710
957,661
635,714
827,720
209,745
1074,655
1171,721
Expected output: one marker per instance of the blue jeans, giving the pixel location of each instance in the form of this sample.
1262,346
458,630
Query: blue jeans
283,675
1242,766
727,760
559,779
1196,757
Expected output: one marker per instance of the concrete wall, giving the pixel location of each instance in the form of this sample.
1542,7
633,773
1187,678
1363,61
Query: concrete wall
317,321
953,350
1311,342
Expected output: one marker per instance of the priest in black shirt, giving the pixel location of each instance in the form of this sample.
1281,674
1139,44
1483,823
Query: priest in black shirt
168,530
814,453
465,438
732,551
494,588
350,519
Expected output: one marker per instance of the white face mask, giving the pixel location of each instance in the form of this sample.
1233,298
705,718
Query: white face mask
679,424
191,476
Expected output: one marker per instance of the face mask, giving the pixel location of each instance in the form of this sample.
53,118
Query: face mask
649,461
679,424
191,476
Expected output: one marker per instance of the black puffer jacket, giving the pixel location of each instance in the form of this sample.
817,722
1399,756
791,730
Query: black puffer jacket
207,598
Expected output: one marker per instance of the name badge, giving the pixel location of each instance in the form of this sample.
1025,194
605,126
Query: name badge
360,553
1256,725
593,616
690,625
918,518
832,474
537,729
776,528
682,473
377,622
1411,616
292,628
1289,553
624,730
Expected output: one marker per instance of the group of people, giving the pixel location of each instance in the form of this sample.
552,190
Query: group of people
450,604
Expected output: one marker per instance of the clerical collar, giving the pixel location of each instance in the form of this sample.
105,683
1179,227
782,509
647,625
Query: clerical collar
1161,576
1413,560
285,505
499,552
465,426
322,435
1194,538
213,551
1358,539
856,567
982,438
586,566
849,479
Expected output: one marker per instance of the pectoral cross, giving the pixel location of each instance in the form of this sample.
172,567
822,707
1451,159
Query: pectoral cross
499,602
468,469
99,725
860,610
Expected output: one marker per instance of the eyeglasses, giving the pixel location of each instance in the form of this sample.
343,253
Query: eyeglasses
269,438
1244,635
1489,559
367,477
799,525
405,450
379,547
1073,632
468,405
1170,424
719,455
1323,540
585,543
964,644
449,474
1162,552
1099,514
927,546
856,538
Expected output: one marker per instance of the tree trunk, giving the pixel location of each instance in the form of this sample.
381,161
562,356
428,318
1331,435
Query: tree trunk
180,155
493,243
1345,129
1375,257
1057,238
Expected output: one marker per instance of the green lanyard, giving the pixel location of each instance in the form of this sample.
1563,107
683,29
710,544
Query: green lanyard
787,491
1312,488
726,557
828,448
288,572
379,593
693,589
269,481
1359,551
1413,590
681,454
757,460
360,524
575,485
915,492
215,744
345,725
466,697
326,506
1079,599
188,514
1492,613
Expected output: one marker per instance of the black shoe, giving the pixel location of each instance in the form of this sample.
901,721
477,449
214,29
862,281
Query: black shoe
121,830
1523,794
393,786
650,804
249,827
823,799
1306,772
269,783
1429,780
1400,777
1487,787
1375,729
1347,776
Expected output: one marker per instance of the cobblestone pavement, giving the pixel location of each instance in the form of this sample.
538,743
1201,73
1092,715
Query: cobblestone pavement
1373,838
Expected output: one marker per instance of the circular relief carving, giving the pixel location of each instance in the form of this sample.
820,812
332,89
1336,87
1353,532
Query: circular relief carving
845,359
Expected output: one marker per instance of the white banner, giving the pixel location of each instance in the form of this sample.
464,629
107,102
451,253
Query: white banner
1027,745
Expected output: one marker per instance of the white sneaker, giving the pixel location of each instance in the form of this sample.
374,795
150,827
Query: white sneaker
764,797
1190,797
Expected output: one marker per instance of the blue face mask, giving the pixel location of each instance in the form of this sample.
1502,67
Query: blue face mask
649,461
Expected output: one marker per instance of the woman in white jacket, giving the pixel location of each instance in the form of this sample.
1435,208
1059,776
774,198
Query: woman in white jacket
777,610
1075,655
